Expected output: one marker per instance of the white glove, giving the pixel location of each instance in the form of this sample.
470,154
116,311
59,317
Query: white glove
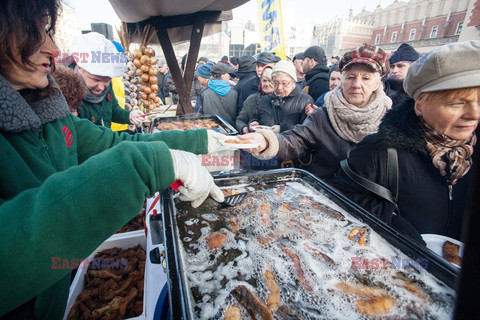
197,182
135,117
215,142
276,128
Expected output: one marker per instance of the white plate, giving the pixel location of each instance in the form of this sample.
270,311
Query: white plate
436,241
255,128
251,145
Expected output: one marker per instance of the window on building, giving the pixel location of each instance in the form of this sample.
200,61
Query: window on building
412,34
459,28
252,49
394,37
433,34
377,39
236,50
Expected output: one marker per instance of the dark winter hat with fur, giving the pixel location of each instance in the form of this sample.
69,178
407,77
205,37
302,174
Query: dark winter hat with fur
366,54
404,53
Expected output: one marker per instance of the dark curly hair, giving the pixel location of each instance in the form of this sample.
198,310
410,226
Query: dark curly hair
21,35
71,85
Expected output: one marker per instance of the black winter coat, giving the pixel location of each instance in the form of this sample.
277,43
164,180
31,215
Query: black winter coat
316,133
248,111
394,90
425,200
249,87
286,112
317,81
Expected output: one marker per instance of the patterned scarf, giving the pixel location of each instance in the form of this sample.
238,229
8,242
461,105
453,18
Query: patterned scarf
352,123
451,157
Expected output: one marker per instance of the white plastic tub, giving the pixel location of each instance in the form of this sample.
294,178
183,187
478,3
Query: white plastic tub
123,241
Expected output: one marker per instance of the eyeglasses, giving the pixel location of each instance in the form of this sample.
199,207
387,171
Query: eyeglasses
283,84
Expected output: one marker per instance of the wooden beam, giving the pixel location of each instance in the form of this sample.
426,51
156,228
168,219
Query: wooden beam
195,41
184,106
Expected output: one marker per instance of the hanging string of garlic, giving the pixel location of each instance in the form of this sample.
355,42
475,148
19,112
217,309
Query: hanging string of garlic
140,78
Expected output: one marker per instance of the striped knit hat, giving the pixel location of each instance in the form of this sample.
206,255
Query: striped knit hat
369,55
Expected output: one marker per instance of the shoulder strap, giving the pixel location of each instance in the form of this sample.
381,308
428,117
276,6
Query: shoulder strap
392,172
389,194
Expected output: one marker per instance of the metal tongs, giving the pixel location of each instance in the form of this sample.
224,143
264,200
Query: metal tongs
230,201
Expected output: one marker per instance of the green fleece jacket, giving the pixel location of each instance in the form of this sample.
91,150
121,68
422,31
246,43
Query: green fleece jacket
65,186
109,109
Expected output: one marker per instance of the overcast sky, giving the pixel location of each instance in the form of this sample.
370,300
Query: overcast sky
305,11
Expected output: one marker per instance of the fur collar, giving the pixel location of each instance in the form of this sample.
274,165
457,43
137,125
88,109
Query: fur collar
17,115
400,129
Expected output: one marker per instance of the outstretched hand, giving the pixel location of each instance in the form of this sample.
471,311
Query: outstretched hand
257,137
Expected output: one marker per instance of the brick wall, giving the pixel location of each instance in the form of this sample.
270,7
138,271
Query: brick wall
475,17
421,32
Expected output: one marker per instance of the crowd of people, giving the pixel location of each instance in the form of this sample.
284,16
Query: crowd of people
354,120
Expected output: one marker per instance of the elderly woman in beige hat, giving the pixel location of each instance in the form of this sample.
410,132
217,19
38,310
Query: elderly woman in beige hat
433,137
285,107
351,111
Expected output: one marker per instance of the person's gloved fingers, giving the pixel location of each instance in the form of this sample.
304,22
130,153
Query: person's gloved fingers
198,201
215,142
183,197
216,193
187,192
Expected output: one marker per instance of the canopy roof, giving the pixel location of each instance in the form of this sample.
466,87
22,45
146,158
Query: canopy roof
177,21
139,10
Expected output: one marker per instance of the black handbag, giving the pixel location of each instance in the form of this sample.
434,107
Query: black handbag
391,192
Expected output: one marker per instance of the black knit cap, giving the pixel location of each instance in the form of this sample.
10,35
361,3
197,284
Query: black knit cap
299,56
334,67
404,53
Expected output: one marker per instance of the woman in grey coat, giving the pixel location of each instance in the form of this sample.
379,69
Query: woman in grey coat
351,111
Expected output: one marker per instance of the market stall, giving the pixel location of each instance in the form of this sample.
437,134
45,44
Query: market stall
260,259
177,21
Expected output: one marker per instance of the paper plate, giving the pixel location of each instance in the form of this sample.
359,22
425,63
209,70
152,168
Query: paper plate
231,143
435,242
255,128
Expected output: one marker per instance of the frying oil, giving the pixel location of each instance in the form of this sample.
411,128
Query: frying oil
285,238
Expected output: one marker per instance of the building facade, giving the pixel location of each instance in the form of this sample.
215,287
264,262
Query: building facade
336,37
425,24
66,28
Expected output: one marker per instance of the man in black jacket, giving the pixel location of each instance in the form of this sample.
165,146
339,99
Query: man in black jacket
316,72
245,72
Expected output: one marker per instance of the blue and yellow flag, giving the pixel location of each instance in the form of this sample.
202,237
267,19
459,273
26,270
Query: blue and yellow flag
271,27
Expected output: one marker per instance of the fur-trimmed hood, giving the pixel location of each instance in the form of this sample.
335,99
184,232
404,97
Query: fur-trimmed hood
17,115
400,129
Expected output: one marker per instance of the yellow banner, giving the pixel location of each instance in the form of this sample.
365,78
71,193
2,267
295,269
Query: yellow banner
271,27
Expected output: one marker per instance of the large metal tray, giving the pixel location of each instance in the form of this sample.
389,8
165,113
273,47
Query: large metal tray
181,306
224,126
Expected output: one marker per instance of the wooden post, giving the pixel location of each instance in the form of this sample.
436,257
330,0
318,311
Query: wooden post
184,105
183,84
195,40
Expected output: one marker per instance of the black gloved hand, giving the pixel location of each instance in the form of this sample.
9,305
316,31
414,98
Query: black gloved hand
403,226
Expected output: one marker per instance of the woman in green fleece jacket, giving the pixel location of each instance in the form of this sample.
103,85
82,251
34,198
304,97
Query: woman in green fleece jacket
60,194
